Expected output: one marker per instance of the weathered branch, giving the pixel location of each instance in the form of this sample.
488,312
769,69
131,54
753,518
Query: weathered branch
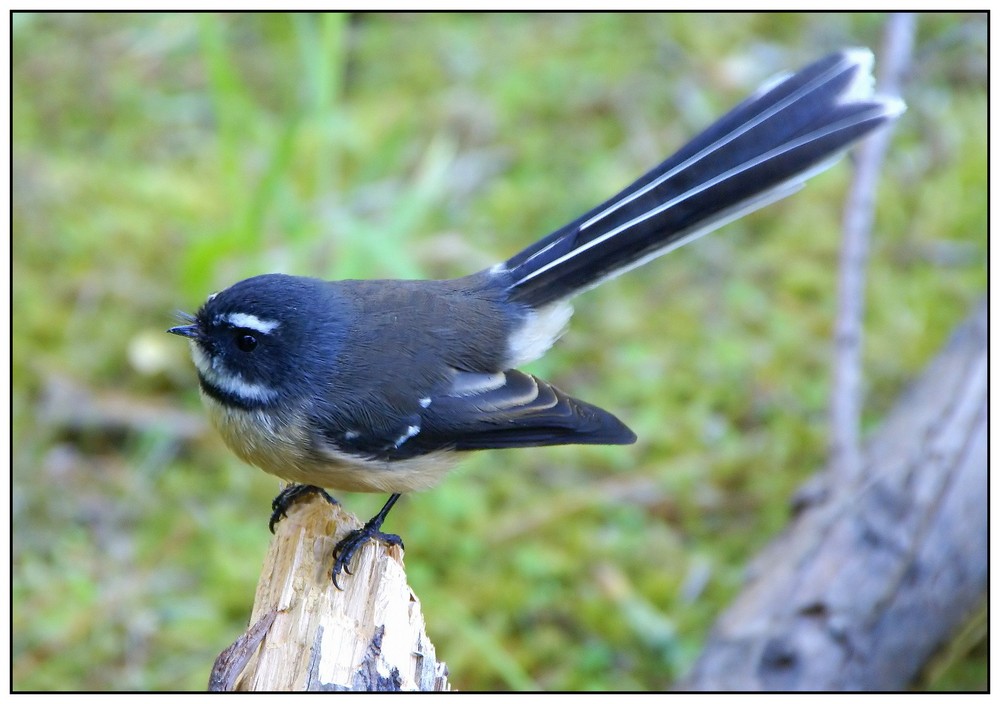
305,634
864,585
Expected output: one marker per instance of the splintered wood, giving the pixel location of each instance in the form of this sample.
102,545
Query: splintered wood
369,637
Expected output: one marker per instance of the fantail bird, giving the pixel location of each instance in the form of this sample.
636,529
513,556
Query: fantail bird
378,385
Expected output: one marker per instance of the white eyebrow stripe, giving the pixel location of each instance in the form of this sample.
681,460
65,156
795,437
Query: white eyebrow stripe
250,322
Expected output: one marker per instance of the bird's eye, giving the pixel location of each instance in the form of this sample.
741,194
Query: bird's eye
245,340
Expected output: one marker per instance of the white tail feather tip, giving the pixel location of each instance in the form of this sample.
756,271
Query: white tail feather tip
862,85
892,107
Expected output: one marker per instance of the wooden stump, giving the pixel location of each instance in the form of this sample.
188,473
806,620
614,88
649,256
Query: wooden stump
307,635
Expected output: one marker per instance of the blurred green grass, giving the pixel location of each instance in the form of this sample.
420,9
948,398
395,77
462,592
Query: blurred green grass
159,157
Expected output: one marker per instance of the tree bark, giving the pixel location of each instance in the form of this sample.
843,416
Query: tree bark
307,635
875,574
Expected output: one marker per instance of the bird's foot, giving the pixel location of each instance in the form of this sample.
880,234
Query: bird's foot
289,495
354,541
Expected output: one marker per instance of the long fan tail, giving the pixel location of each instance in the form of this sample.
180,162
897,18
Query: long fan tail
762,150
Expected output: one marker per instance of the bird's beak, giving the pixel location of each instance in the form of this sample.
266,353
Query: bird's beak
185,331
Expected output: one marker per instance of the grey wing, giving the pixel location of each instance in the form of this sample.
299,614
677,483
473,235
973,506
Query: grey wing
511,409
476,411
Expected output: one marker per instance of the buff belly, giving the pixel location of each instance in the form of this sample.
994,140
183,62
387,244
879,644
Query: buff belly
286,450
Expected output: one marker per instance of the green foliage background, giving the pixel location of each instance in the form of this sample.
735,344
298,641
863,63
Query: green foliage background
159,157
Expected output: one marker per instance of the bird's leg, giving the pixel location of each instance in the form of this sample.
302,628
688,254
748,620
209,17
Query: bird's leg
346,548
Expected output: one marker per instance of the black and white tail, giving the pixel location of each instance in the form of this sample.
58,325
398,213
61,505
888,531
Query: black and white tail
762,150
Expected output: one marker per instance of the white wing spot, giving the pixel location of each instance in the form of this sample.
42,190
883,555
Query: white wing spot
410,432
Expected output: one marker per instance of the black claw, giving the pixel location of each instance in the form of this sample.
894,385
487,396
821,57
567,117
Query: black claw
288,496
353,541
